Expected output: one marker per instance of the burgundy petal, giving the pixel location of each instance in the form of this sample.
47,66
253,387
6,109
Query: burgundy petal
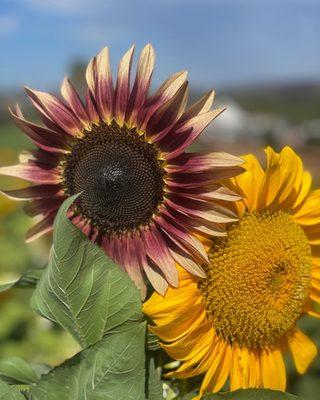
153,273
123,87
194,180
42,227
91,109
99,80
202,209
166,91
160,255
209,193
141,85
34,192
203,105
167,115
52,108
176,231
32,173
199,162
183,135
42,137
73,100
130,261
43,206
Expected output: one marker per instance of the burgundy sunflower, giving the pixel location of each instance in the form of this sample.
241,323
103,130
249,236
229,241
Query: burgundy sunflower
143,199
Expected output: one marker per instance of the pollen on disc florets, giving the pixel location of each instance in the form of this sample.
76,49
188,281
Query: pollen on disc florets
119,176
259,280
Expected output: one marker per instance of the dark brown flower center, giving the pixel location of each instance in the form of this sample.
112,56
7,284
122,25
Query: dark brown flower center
119,175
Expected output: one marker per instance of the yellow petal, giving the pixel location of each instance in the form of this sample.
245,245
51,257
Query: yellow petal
273,371
291,170
250,182
219,370
272,178
303,351
304,188
309,212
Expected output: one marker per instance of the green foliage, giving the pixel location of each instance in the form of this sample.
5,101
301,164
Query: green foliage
252,394
111,369
28,280
90,296
154,384
82,289
9,393
14,370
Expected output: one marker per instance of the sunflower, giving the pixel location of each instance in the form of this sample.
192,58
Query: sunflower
143,199
239,321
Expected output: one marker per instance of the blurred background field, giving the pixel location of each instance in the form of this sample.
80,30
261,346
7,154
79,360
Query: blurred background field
262,58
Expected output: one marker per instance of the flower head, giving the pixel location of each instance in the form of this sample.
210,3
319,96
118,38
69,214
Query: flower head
239,320
143,199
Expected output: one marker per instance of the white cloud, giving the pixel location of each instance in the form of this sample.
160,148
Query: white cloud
8,24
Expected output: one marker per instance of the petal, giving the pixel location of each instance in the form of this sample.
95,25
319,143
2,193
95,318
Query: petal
101,86
166,91
218,373
251,183
303,350
73,100
42,137
181,236
200,162
273,370
32,173
291,176
304,189
34,192
201,106
43,206
272,182
165,117
52,108
141,85
184,135
91,109
160,255
309,212
123,86
42,227
130,262
153,272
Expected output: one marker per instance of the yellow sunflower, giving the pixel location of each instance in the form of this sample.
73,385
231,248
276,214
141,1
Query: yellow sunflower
239,321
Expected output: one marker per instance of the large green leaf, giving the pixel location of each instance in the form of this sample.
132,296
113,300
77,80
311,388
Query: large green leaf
14,370
111,369
9,393
82,289
252,394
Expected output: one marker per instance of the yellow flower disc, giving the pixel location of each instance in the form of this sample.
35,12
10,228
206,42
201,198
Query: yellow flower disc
259,280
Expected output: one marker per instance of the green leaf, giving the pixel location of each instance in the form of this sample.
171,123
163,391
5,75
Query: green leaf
9,393
14,370
111,369
154,389
28,280
252,394
82,289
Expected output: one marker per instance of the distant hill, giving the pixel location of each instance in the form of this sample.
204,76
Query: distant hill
297,103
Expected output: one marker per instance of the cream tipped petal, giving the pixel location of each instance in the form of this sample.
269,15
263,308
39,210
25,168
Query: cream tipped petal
123,86
141,85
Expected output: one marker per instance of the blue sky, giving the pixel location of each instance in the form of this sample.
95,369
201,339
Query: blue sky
220,42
